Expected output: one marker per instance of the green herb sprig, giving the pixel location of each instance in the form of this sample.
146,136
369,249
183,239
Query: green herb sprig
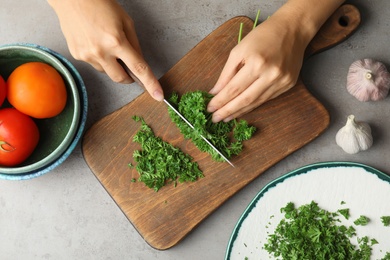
193,106
159,162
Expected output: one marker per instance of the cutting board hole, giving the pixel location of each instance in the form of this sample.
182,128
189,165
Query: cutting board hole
344,21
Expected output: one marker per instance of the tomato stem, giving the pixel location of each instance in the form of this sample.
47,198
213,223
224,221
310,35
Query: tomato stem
6,147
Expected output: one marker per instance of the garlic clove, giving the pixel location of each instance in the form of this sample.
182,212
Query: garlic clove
354,136
368,80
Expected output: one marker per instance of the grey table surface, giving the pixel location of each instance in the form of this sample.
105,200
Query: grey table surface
67,214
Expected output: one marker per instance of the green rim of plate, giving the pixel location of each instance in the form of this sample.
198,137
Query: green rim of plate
299,171
61,135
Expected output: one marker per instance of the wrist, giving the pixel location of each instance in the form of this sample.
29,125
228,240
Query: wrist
303,18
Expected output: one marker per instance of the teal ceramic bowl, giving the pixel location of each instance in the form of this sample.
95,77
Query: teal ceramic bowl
56,133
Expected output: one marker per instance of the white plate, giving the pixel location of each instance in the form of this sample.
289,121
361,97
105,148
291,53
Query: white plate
365,190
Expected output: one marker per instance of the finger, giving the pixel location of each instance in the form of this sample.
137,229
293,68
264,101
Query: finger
254,96
96,66
99,68
132,58
116,71
242,80
141,71
239,105
131,35
246,109
230,69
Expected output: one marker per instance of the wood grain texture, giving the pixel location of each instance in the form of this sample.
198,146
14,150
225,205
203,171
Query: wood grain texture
284,125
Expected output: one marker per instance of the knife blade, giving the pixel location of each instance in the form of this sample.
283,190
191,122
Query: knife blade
204,138
135,78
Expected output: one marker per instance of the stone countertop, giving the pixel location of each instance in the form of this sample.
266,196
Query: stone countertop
67,214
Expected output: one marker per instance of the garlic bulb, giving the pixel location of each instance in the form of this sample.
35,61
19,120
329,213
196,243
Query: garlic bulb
354,136
368,80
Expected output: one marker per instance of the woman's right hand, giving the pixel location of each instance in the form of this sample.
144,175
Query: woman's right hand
101,33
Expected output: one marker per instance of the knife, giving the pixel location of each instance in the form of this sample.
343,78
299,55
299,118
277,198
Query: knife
135,78
204,138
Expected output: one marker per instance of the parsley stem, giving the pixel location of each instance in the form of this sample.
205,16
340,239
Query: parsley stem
240,32
257,19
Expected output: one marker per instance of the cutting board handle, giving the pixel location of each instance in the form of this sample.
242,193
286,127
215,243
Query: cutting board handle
343,22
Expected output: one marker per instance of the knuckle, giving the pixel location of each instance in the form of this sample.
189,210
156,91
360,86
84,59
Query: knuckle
80,55
130,22
249,99
113,40
235,52
256,64
99,50
118,78
233,91
289,80
91,55
275,71
141,68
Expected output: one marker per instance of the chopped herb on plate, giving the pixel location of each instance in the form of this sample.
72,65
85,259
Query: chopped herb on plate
361,221
385,220
309,232
344,212
387,256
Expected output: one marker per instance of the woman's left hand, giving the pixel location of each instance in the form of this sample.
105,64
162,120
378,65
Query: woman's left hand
266,63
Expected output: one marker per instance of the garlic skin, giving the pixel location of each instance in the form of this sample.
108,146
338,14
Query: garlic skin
354,136
368,80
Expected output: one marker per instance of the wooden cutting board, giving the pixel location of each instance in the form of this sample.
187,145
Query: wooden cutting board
284,125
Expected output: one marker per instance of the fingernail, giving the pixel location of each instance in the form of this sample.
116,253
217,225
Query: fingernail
211,109
158,95
227,119
212,91
216,118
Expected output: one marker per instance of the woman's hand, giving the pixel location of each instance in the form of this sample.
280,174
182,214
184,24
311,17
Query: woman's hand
263,65
267,62
100,32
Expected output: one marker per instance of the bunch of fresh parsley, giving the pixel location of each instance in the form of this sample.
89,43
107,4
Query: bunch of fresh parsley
193,106
160,162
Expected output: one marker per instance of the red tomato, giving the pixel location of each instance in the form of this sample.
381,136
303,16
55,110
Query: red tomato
3,90
37,89
19,135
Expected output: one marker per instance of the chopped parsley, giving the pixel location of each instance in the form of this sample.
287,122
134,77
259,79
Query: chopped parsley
159,162
344,212
361,221
309,232
385,220
193,106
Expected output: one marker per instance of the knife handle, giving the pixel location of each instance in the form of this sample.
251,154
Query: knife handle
339,26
